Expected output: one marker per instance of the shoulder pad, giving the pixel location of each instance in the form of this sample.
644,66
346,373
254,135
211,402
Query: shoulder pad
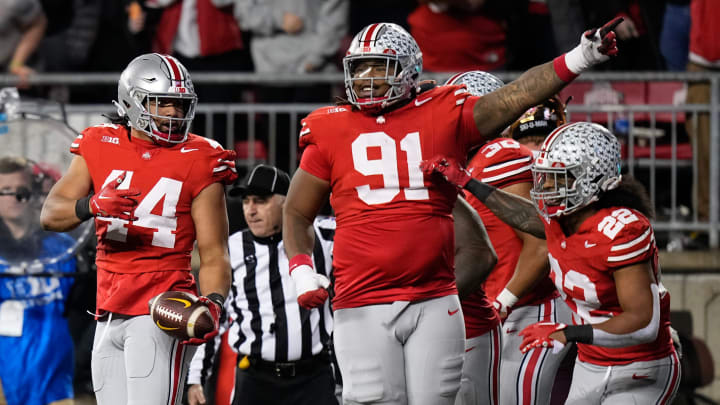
628,235
502,162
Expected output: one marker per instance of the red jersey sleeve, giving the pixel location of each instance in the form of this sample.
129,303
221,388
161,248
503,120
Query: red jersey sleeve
203,167
634,243
83,143
310,123
472,137
315,163
459,98
77,144
314,160
502,162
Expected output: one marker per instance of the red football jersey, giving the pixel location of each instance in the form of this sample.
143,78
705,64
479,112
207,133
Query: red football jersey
394,237
160,241
501,163
582,267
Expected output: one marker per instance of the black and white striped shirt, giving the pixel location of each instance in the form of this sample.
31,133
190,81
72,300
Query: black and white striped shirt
266,320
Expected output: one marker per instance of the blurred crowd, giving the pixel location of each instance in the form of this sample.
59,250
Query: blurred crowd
296,36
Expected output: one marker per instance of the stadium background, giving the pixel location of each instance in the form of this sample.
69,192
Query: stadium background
258,113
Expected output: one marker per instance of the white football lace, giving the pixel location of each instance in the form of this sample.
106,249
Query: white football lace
169,314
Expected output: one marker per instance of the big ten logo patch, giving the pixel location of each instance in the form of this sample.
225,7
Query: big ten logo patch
110,139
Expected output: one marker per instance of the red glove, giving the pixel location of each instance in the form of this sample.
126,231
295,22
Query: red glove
450,169
608,43
224,170
311,287
215,311
111,202
596,46
538,335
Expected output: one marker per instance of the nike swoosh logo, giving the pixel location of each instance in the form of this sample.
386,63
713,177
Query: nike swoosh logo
639,377
184,302
183,150
451,313
470,348
418,103
102,197
589,245
164,327
510,330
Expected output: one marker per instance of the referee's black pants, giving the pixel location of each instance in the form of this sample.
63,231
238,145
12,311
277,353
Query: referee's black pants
260,387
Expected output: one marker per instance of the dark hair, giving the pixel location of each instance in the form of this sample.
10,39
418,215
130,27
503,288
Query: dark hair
116,119
14,164
630,194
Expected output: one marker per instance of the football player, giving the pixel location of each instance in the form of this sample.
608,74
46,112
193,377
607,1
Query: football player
603,261
399,332
157,189
519,284
483,335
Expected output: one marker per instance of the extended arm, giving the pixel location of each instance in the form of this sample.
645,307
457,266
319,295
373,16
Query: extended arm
498,109
495,111
58,211
514,210
474,254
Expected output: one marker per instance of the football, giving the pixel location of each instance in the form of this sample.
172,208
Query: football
180,315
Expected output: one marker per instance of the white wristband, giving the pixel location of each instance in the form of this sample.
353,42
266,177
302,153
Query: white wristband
506,298
575,60
307,279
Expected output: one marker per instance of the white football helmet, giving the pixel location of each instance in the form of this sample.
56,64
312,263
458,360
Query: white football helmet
403,64
577,163
478,83
153,77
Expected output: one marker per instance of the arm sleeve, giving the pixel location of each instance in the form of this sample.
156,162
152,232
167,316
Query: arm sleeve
82,143
510,164
203,174
634,244
315,163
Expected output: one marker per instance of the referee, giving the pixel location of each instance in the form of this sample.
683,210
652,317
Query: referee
282,349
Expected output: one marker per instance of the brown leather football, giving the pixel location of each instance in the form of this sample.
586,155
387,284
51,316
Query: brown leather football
180,315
